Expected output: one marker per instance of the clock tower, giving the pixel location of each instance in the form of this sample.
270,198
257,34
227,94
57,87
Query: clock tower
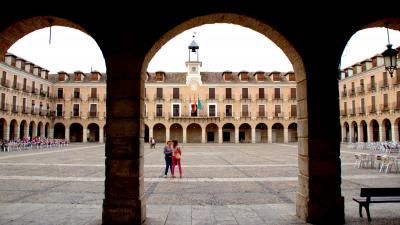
193,65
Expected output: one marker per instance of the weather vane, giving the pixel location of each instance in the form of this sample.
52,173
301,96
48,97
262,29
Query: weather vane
194,34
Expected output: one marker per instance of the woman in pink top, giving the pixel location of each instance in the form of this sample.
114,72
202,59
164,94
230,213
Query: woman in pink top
176,157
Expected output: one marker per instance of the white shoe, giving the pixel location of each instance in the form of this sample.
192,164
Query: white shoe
165,176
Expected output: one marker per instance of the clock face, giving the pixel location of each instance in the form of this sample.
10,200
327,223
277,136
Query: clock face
193,69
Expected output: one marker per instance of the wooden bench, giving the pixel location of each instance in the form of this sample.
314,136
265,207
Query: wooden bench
376,195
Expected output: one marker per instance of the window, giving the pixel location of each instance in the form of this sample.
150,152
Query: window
362,110
293,111
24,84
261,94
278,111
362,84
59,110
398,100
33,107
60,93
211,93
345,107
385,101
15,82
159,110
353,107
293,93
14,105
159,93
228,93
245,93
33,87
373,109
24,105
48,91
228,110
75,110
76,93
292,77
3,101
4,78
175,110
277,93
245,110
41,89
93,110
261,110
175,93
372,82
385,79
93,93
211,110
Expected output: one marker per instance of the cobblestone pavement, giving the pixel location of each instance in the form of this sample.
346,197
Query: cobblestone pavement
222,184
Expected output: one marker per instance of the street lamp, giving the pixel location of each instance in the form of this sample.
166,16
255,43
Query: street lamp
390,56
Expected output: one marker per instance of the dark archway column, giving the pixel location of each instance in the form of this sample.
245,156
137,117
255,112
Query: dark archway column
124,201
319,197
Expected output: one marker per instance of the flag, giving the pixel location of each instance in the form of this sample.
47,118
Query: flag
194,106
199,105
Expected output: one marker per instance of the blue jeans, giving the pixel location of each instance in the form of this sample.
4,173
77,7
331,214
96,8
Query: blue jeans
168,164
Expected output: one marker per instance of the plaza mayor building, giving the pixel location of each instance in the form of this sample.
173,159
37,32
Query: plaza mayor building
370,102
191,107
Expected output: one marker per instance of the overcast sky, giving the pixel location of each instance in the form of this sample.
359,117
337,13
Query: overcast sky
222,47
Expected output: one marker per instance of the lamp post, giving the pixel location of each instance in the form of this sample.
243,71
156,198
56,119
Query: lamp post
390,56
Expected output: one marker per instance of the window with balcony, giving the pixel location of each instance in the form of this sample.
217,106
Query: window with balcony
261,110
345,108
385,102
175,110
59,110
228,110
60,93
24,84
211,93
14,104
33,107
398,100
293,93
33,87
77,92
353,107
261,94
245,110
4,78
212,110
3,101
278,112
15,82
159,110
293,110
175,93
93,93
24,105
362,108
93,110
373,108
228,93
159,93
277,93
245,93
75,110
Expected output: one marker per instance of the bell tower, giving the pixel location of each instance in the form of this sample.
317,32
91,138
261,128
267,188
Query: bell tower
193,64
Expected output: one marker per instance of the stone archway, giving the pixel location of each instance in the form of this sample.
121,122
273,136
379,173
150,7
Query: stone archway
159,133
245,133
39,129
47,130
23,127
3,129
277,133
228,133
212,133
13,130
261,133
193,132
146,133
32,129
374,128
94,133
76,132
292,132
346,130
354,135
59,131
176,132
387,130
364,131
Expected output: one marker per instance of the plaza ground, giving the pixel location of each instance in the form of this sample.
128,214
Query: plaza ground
222,184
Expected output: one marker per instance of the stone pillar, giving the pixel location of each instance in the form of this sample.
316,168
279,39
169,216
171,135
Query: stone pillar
343,133
17,133
285,135
26,131
220,135
42,131
67,133
101,135
319,199
51,133
34,131
7,130
151,133
269,132
84,135
370,133
167,135
351,133
253,134
360,134
124,200
395,132
381,133
184,135
236,134
203,135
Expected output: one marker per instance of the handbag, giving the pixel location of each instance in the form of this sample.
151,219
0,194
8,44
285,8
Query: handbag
178,156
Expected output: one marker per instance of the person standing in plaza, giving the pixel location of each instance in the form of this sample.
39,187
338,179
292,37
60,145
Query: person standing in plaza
176,157
152,143
168,157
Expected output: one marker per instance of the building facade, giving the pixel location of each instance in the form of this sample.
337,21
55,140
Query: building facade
36,103
209,107
369,102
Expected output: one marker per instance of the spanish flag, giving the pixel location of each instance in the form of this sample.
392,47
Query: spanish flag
194,106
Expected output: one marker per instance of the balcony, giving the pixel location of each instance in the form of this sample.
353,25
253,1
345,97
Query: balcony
278,115
245,97
372,110
361,111
44,112
396,82
396,106
212,98
372,87
176,98
16,86
26,89
76,114
43,94
158,99
343,113
292,98
93,98
262,97
228,98
262,114
360,90
229,115
25,110
352,112
5,83
76,97
5,107
245,114
277,97
60,114
384,85
14,109
384,108
293,115
35,91
352,93
202,116
344,94
93,115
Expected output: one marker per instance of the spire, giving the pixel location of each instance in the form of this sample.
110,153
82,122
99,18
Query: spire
193,48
